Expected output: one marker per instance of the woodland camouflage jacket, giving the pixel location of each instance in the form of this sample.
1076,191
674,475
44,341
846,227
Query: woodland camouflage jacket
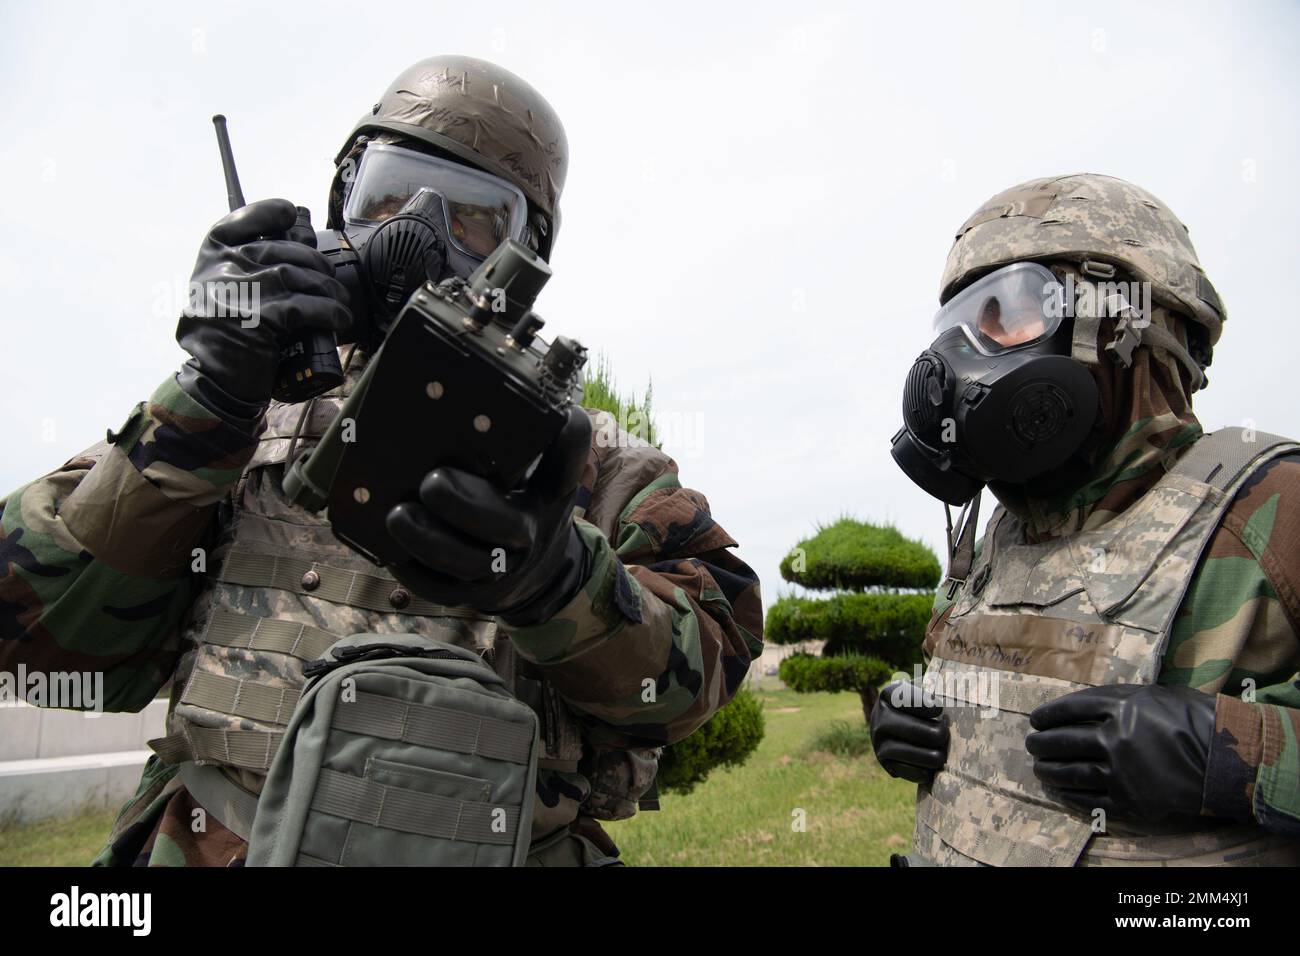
96,575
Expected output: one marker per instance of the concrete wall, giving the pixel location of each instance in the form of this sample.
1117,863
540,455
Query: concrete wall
772,656
55,762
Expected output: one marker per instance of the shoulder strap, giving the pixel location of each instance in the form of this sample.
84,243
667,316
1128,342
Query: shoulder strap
1224,457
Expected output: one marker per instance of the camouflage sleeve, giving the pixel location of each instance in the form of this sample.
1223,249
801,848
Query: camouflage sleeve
1254,768
95,557
1237,635
665,629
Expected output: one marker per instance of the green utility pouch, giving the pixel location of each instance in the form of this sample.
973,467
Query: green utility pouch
403,751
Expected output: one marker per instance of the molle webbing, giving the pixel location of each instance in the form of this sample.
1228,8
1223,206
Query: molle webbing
247,749
403,750
249,700
241,698
303,641
387,718
372,592
396,808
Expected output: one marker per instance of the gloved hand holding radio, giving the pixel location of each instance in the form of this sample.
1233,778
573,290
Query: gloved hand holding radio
908,737
515,554
260,289
1133,750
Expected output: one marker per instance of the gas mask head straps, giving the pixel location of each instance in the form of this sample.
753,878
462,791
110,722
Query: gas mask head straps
1132,328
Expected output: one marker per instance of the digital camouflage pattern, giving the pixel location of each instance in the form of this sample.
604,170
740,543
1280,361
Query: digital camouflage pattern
1087,216
1236,631
668,607
1234,635
1036,621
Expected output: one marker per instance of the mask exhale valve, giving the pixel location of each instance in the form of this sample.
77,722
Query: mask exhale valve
404,253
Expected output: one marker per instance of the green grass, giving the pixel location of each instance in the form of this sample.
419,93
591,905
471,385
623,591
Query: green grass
844,738
63,841
855,814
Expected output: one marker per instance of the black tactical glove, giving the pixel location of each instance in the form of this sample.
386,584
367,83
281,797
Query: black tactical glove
514,554
1135,751
909,740
248,258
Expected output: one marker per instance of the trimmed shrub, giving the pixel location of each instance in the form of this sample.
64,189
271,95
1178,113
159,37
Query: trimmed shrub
869,630
805,673
727,740
885,625
851,555
863,675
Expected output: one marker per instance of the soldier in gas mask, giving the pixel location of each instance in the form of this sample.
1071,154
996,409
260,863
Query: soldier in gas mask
162,554
1111,667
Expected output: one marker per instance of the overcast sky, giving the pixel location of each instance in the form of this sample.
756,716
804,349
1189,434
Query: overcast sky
759,202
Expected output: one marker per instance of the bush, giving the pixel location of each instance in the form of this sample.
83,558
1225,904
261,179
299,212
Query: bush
601,392
727,739
734,732
843,739
804,674
851,555
860,631
891,626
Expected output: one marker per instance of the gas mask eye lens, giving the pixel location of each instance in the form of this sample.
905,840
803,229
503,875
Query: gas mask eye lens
479,211
1007,309
478,229
1018,325
383,207
990,321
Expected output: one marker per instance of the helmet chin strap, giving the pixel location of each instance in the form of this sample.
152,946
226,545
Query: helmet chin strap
961,552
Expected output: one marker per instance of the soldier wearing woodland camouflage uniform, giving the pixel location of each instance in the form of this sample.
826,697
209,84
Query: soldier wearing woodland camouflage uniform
1112,670
169,552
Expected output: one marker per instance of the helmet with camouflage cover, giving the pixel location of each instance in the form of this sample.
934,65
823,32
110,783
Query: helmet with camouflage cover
1090,218
479,114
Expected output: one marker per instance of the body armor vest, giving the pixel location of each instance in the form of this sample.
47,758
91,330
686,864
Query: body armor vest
280,589
1037,621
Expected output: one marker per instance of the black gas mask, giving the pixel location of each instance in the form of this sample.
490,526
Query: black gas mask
997,396
410,218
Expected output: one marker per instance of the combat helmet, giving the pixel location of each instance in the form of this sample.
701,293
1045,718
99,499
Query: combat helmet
481,114
1096,221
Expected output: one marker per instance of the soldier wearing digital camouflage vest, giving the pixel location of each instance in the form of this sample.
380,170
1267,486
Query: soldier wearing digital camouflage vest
616,574
1112,667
